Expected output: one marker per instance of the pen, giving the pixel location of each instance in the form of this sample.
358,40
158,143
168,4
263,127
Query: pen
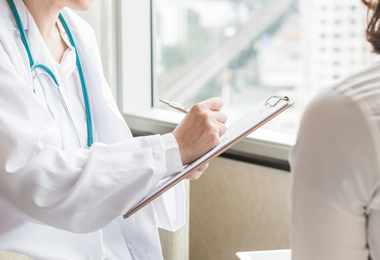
176,106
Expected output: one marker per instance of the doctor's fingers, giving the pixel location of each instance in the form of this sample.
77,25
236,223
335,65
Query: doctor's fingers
214,104
203,168
222,128
196,174
220,116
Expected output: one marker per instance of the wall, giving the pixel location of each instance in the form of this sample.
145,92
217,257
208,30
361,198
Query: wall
236,207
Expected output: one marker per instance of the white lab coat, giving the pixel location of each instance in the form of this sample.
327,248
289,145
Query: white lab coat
61,202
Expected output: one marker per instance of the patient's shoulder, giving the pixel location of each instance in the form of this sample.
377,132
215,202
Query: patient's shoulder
344,117
361,86
356,97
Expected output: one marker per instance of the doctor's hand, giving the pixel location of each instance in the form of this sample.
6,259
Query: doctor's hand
200,130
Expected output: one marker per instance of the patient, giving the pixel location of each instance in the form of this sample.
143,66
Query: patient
336,167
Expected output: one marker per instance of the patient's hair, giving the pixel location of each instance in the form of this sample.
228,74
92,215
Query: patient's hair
373,19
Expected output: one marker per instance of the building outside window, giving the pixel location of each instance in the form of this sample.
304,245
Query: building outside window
247,50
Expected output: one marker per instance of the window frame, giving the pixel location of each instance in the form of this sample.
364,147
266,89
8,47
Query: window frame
136,95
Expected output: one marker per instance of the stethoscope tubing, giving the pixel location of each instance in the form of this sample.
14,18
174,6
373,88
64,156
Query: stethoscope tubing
34,65
83,82
77,139
73,127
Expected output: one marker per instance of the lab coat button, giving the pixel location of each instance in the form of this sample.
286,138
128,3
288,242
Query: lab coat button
97,257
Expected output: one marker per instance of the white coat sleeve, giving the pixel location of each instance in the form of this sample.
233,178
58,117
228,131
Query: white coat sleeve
172,155
77,190
335,171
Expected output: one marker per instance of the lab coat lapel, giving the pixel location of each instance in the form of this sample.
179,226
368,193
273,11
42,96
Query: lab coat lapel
18,55
6,14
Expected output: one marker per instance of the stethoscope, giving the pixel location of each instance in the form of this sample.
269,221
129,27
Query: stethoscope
34,65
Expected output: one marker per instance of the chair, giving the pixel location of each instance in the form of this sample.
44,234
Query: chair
12,256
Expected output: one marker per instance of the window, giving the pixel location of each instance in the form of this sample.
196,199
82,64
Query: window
207,48
243,51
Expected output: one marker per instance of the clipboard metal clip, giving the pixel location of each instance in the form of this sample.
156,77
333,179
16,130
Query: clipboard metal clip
279,99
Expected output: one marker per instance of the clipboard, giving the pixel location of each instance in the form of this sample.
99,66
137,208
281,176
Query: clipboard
237,131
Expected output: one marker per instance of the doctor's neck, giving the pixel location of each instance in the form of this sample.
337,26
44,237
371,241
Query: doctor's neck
45,13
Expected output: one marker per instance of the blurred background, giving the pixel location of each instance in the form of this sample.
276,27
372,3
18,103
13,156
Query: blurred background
247,50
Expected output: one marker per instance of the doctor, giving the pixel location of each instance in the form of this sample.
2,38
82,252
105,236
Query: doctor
69,167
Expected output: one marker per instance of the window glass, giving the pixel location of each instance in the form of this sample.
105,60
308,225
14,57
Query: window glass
247,50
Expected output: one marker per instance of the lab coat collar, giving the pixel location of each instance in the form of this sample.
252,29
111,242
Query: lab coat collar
68,61
6,14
